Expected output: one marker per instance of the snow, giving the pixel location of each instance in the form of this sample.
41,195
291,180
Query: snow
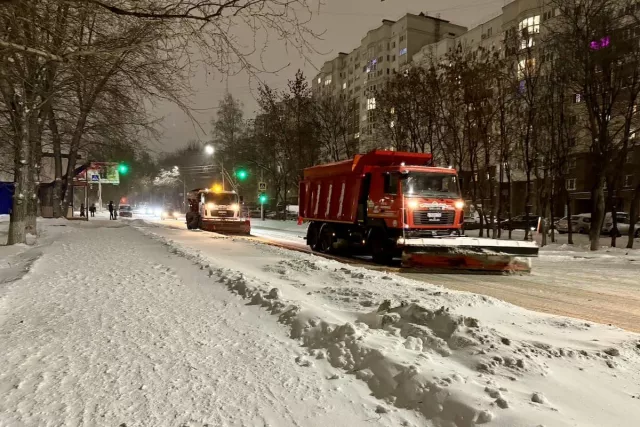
185,328
107,327
457,358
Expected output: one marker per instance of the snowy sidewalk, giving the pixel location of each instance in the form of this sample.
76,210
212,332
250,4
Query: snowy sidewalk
109,328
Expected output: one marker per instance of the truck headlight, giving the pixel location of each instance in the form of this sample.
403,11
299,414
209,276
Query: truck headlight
211,206
235,207
413,204
158,211
459,204
176,214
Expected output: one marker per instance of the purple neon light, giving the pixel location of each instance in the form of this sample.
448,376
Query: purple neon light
600,44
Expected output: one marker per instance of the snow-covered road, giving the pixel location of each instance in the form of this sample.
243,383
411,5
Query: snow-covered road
459,359
109,328
601,287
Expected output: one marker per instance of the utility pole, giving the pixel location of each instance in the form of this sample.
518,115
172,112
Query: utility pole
261,203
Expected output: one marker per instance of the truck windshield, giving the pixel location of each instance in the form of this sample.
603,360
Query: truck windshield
224,199
431,185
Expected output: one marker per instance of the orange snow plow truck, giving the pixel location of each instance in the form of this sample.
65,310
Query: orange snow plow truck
217,211
391,205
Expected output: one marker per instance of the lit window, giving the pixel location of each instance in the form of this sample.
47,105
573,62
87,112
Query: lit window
393,110
357,135
319,80
527,42
577,99
344,85
371,103
327,81
392,124
530,25
403,51
628,181
571,184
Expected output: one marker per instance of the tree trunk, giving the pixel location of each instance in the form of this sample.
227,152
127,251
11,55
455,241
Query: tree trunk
23,179
633,216
57,159
569,213
597,213
509,189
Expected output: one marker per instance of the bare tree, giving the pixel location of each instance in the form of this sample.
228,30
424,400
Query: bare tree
595,58
332,120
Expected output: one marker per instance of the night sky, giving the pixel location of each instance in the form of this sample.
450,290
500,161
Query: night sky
345,22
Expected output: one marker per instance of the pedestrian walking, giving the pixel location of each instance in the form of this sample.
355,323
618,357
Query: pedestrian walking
92,209
81,209
111,210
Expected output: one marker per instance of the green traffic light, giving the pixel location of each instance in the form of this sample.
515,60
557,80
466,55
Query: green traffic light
242,174
123,169
263,198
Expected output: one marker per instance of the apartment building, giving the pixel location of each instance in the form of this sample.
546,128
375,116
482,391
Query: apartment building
414,40
355,76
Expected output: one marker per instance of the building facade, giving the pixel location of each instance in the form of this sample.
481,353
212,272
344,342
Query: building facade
384,51
418,39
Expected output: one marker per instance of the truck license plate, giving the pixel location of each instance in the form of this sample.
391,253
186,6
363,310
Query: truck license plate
435,215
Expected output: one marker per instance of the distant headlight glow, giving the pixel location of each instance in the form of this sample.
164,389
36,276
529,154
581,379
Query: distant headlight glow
176,214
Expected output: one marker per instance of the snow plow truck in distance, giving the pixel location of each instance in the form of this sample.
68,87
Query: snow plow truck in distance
389,205
217,211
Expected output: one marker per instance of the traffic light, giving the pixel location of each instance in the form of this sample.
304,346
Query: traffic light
242,174
123,169
262,198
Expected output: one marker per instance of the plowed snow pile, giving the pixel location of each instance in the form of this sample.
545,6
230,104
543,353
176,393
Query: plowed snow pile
460,359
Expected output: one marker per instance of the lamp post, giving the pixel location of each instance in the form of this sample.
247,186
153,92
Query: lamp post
184,190
210,151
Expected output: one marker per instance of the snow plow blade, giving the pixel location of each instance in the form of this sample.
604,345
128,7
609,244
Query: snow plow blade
468,254
228,227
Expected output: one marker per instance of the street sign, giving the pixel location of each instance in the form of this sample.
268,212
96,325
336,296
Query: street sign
262,186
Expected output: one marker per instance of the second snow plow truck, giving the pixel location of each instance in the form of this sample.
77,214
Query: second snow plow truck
218,211
391,204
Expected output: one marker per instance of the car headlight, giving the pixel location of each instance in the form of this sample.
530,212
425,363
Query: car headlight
459,204
211,206
235,207
176,213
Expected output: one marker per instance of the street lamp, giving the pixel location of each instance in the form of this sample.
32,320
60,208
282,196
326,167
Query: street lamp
209,150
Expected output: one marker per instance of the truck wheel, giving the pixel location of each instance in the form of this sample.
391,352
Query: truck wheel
312,236
189,220
325,239
381,250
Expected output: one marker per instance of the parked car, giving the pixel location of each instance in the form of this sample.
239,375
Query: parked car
623,223
562,225
622,218
520,223
125,211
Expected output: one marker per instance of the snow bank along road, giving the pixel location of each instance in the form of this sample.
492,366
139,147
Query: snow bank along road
109,328
457,359
603,287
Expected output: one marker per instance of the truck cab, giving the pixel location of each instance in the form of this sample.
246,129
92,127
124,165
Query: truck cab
216,210
416,201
